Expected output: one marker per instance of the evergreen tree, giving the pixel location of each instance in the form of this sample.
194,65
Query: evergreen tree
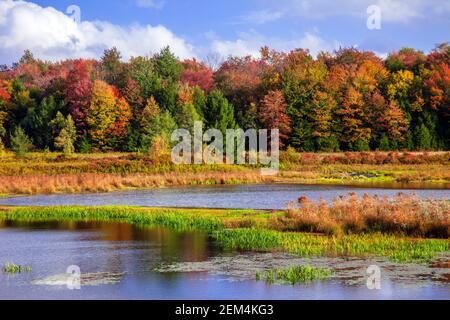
423,138
219,113
384,143
155,123
20,142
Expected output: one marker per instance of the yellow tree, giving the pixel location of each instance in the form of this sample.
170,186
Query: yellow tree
108,115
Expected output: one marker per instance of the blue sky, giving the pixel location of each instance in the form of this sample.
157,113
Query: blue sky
199,28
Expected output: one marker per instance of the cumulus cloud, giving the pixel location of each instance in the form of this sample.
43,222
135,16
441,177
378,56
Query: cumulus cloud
250,44
52,35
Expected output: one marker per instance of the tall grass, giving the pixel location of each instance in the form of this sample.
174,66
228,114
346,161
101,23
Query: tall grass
94,182
402,215
167,218
306,245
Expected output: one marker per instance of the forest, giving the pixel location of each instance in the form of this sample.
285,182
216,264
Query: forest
348,100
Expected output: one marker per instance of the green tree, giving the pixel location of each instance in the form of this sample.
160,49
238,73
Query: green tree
155,123
67,136
37,121
423,138
112,68
199,101
219,113
20,142
384,143
185,116
167,65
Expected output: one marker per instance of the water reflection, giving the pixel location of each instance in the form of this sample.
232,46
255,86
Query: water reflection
134,257
269,196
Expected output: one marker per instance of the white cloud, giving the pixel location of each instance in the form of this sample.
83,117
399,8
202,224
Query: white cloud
262,16
392,10
250,44
156,4
52,35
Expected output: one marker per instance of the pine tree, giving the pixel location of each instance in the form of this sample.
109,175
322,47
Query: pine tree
219,113
384,143
423,138
20,142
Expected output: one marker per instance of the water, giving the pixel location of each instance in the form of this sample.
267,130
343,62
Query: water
121,261
268,196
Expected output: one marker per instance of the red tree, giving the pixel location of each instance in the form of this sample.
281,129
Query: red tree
197,74
272,113
78,91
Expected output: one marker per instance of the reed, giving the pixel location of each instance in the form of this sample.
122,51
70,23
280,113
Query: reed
402,215
94,182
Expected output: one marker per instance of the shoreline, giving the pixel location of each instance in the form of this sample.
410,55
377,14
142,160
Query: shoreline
390,185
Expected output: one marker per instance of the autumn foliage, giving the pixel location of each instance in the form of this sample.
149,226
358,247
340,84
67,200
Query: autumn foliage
347,100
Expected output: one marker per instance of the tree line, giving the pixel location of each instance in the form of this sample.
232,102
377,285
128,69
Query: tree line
345,100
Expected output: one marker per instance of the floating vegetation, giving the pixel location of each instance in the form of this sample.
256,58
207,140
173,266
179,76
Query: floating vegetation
13,268
294,275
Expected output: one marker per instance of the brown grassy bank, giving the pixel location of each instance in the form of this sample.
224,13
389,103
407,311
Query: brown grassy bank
46,173
93,182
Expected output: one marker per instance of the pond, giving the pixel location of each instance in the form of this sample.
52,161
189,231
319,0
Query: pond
122,261
263,196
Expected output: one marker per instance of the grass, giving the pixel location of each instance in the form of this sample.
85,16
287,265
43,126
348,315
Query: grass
47,173
402,215
306,245
12,268
245,230
294,275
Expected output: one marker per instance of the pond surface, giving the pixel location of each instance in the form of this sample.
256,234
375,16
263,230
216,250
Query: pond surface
121,261
264,196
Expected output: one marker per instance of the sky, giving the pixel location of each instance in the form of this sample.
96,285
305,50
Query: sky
59,29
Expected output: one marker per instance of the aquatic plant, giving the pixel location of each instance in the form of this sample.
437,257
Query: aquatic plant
12,268
306,245
294,275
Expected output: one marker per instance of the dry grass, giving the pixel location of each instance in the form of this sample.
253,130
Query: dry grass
46,173
93,182
401,215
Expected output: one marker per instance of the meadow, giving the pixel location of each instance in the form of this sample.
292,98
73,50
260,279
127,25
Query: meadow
47,173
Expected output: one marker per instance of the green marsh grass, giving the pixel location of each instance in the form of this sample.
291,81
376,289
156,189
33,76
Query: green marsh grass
395,248
243,230
294,275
